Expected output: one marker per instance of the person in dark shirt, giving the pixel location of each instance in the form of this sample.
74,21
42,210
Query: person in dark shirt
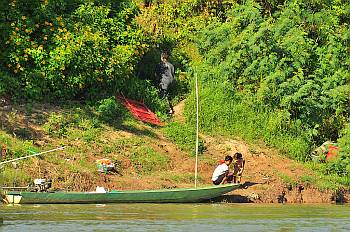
165,74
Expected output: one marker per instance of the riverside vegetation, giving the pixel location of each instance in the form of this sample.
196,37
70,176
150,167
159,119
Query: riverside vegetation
272,71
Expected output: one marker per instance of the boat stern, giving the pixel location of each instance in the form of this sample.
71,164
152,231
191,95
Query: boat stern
13,198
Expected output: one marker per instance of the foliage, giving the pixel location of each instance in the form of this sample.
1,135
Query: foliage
279,73
324,178
172,25
70,49
341,165
111,109
177,20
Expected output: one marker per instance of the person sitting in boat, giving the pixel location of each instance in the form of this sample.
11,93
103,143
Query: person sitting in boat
238,167
221,172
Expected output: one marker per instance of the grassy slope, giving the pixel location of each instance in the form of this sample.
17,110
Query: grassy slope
145,156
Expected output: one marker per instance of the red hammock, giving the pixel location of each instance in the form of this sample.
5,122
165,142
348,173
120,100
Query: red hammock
140,111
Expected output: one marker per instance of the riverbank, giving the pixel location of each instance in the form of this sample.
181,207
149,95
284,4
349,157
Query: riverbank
145,157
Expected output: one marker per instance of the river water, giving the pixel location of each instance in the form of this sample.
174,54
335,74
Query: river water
176,217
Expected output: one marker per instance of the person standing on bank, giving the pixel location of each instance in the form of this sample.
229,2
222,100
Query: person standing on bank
165,74
238,167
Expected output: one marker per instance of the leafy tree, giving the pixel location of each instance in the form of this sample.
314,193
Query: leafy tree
282,74
70,49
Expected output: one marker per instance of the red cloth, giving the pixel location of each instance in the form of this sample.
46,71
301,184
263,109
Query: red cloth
140,111
332,152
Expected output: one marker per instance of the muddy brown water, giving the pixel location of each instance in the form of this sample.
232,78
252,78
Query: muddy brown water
176,217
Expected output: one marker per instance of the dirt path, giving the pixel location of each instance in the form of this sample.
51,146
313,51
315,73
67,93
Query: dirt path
178,112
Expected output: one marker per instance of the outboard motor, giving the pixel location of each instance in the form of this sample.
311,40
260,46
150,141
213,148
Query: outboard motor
42,185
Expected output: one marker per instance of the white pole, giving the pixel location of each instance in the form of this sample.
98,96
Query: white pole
196,167
36,154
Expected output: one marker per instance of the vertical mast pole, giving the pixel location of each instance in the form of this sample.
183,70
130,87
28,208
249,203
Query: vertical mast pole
197,127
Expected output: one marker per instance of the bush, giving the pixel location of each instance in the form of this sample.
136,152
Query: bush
71,49
278,74
111,109
341,165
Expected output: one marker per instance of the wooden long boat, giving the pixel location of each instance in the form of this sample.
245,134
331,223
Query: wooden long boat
180,195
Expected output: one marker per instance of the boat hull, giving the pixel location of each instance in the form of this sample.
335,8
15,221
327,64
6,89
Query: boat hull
182,195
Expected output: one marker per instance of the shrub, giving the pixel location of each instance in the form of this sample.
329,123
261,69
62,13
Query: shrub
70,49
111,109
278,74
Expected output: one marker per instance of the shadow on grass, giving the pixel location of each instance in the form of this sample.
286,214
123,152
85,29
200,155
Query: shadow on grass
26,121
22,122
136,131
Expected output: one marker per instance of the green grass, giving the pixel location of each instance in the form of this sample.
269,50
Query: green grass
12,177
146,160
323,180
184,136
285,178
16,147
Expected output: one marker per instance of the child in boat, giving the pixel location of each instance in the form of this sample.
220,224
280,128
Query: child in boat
221,172
238,167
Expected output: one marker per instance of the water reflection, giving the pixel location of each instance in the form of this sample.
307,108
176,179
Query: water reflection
176,217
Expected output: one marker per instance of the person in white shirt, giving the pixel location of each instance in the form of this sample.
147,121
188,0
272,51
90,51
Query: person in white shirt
220,173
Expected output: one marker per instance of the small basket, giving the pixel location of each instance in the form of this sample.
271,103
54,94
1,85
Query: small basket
101,168
105,168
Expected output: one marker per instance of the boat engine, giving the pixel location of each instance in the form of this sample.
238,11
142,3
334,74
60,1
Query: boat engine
42,185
